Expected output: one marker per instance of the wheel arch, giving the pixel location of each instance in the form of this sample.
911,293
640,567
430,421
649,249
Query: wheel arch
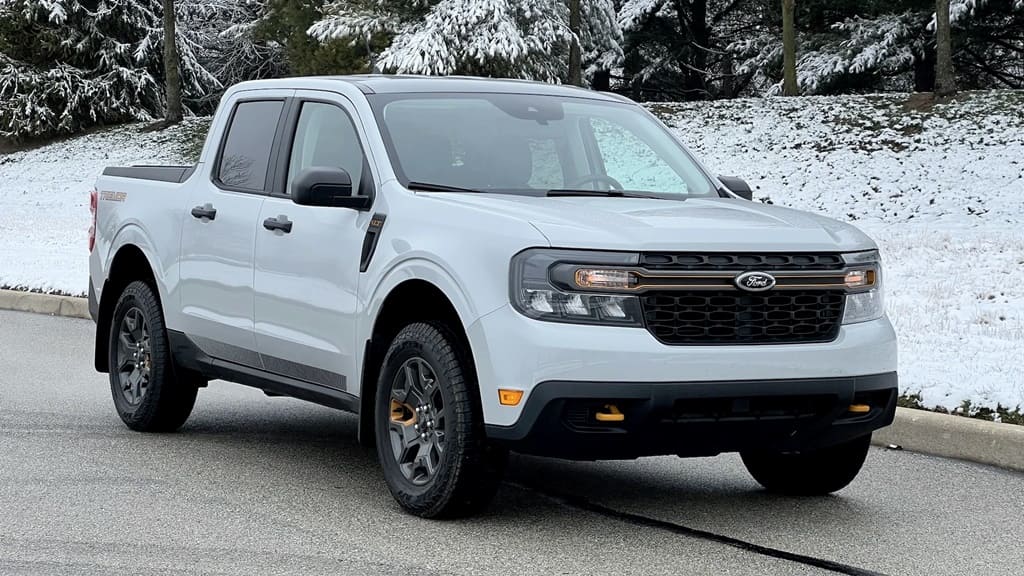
129,264
411,300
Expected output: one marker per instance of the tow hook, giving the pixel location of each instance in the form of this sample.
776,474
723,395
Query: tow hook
610,413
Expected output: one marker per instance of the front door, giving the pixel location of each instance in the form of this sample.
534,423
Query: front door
306,277
219,235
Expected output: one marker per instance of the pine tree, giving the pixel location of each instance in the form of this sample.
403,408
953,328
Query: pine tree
677,49
285,23
69,64
504,38
885,45
222,37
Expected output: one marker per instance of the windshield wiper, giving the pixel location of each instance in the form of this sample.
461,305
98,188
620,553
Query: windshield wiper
428,187
612,193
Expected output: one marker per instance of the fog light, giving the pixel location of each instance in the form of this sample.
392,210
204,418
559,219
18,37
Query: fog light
509,397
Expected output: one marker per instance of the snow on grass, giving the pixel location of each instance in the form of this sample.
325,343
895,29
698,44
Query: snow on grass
44,197
942,192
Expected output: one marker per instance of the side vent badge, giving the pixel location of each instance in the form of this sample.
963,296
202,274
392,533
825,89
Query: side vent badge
370,241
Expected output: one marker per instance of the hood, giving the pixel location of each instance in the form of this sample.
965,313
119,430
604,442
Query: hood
695,224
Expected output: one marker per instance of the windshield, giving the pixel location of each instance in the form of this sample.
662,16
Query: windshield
530,144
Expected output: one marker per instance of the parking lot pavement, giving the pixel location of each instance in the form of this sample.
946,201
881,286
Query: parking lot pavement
257,485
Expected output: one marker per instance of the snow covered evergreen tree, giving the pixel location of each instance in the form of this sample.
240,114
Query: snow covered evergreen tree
222,37
503,38
676,49
70,64
882,46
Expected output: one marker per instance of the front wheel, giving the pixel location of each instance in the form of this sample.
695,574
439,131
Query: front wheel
429,426
810,473
148,395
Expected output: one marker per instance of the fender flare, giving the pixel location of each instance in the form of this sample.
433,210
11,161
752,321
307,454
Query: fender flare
132,235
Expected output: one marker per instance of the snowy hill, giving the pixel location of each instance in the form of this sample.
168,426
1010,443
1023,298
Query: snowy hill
941,190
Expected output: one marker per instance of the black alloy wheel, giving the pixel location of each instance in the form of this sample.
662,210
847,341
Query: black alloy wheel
418,421
134,356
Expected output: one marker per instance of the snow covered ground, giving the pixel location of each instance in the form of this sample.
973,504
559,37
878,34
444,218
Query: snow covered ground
44,197
942,191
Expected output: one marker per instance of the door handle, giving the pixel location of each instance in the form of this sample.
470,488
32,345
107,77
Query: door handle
281,223
206,211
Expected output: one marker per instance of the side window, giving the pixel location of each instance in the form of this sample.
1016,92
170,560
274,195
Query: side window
246,153
632,162
325,137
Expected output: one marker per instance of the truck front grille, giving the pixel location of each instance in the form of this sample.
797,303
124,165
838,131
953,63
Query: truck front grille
740,262
698,317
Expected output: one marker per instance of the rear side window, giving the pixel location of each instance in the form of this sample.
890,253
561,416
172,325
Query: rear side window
246,153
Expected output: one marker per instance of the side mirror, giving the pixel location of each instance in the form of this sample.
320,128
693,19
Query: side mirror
738,187
323,186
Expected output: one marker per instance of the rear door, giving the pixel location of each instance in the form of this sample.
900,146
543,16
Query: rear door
219,236
306,278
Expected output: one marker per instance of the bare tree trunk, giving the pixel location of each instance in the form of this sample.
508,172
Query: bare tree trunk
171,72
729,76
945,80
789,87
575,59
701,34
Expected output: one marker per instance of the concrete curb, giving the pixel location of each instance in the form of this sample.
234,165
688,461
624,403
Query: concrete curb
956,437
921,431
70,306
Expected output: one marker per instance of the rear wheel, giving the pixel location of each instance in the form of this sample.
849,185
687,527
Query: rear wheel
147,395
429,426
810,473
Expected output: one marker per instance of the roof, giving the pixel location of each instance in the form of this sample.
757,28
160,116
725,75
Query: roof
399,84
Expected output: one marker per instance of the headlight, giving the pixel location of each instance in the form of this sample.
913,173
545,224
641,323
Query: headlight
567,286
865,302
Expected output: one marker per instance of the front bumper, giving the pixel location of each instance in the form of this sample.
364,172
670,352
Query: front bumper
513,351
697,418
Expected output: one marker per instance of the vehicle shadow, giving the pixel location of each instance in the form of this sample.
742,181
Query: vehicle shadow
320,445
699,493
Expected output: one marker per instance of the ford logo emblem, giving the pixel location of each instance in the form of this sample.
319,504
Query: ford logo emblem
755,281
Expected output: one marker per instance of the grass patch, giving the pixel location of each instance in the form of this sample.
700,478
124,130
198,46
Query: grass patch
967,409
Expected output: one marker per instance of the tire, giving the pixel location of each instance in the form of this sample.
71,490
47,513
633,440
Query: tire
812,473
429,426
147,395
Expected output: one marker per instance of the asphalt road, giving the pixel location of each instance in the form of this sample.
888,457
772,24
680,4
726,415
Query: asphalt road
257,485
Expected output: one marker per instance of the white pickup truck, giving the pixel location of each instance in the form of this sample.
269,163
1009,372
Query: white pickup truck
476,266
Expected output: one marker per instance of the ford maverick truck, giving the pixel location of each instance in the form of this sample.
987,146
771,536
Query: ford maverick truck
481,266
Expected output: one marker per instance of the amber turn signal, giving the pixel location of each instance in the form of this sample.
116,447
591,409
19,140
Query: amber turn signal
509,397
859,408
